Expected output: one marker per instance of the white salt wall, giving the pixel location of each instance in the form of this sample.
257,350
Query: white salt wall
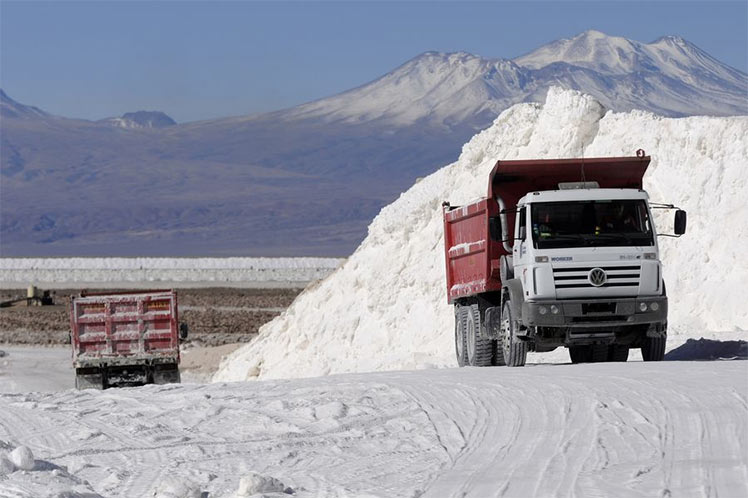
386,308
24,271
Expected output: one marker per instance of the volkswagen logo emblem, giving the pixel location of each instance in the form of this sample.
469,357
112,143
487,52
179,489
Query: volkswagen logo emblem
597,277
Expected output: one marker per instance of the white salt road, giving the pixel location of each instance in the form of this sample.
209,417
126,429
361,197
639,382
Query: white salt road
26,368
634,429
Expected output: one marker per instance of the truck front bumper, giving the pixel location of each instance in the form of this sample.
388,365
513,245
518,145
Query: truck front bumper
594,313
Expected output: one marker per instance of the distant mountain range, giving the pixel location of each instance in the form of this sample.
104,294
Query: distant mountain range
307,180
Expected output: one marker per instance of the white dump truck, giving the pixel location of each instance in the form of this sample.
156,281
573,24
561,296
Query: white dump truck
560,253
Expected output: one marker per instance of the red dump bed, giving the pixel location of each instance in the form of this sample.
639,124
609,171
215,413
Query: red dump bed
126,327
472,257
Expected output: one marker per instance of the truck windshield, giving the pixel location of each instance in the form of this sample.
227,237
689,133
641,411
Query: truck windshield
591,223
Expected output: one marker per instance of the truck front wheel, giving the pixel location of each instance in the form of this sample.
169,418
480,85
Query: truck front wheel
478,348
653,348
618,352
514,350
579,354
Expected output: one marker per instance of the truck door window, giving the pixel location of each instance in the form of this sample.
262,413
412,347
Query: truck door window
522,230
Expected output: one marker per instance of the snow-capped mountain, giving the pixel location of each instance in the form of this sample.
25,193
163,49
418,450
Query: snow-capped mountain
141,119
669,76
307,180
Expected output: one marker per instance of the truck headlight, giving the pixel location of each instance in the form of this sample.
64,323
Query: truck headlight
542,310
654,306
554,309
642,307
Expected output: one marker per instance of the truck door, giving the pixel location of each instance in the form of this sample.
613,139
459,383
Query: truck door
520,250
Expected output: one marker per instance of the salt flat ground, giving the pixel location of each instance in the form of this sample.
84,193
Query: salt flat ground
611,429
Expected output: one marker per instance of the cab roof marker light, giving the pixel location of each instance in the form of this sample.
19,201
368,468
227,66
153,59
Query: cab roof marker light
577,185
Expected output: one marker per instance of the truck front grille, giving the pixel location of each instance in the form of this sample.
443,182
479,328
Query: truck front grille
577,277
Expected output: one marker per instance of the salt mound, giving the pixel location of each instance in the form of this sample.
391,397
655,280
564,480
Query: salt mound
386,307
6,466
254,484
22,458
176,487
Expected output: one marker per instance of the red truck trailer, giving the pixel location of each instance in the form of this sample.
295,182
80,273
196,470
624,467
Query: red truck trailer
125,338
548,260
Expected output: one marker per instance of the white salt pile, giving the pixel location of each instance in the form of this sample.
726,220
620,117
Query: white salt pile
254,484
386,307
22,458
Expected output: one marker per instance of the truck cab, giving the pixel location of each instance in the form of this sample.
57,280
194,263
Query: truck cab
561,253
588,263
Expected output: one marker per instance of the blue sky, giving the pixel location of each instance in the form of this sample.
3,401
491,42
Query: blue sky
200,60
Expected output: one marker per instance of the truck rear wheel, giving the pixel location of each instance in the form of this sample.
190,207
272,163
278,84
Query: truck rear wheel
460,347
653,348
89,381
166,374
514,350
478,348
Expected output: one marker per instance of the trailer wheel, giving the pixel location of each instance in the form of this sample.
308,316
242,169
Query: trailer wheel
478,348
653,348
514,350
460,347
618,352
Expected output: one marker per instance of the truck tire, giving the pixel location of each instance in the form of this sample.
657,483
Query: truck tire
653,348
618,352
598,353
460,346
497,354
89,381
166,374
478,348
579,354
514,350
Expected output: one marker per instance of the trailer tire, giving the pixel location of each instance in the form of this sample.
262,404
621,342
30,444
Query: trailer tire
460,346
514,350
653,348
618,352
478,348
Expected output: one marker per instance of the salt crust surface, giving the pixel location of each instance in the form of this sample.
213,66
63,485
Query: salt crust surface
386,307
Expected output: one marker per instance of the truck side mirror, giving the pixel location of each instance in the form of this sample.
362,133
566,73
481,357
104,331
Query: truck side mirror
680,222
494,228
183,331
